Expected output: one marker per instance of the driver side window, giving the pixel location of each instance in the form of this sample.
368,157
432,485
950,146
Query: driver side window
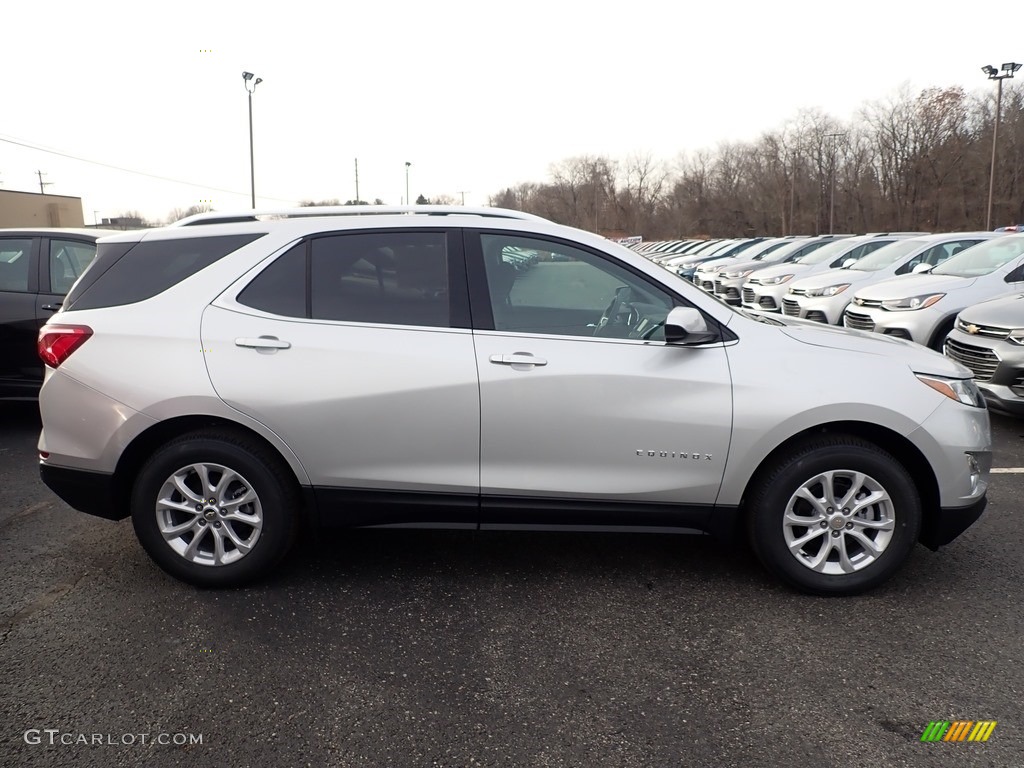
537,286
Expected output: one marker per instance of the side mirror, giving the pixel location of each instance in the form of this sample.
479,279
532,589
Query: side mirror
848,262
920,269
686,326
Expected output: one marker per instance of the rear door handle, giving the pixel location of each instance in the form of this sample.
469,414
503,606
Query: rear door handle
51,307
518,358
262,342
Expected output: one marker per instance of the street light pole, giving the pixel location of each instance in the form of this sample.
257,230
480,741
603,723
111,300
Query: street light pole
993,74
407,200
247,78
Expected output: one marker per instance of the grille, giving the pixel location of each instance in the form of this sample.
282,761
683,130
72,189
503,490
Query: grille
748,296
982,362
858,321
1018,386
989,331
731,295
790,307
707,285
867,302
798,291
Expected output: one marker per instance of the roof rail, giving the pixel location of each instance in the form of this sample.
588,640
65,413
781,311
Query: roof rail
214,217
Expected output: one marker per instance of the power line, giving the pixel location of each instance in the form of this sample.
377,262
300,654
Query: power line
129,170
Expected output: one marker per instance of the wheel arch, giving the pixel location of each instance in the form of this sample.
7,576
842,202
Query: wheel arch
143,445
941,331
904,450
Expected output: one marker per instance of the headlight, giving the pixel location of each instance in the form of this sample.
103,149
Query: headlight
775,280
911,302
832,290
734,275
962,390
1016,336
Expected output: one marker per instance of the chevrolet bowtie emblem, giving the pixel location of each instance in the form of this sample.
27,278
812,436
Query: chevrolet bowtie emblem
972,328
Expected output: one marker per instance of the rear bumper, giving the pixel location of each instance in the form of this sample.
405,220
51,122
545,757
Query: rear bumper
941,527
89,492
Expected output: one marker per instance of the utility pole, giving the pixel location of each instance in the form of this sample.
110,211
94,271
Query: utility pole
463,193
832,202
43,184
357,181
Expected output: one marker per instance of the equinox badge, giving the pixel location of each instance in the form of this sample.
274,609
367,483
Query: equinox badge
674,455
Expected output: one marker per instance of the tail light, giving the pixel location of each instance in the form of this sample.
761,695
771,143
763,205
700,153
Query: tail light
57,342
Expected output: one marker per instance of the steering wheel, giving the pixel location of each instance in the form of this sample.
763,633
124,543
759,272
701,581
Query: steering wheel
612,313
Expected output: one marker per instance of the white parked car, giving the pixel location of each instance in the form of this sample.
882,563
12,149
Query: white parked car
923,307
824,297
764,289
704,277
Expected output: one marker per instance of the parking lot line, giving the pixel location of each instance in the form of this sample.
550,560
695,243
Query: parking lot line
1007,470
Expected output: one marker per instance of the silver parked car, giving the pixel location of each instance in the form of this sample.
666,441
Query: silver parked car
922,307
824,297
988,338
763,290
224,379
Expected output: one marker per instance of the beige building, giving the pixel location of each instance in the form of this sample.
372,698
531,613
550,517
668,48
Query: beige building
31,209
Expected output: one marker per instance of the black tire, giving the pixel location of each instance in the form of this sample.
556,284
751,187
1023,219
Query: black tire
938,340
257,471
773,490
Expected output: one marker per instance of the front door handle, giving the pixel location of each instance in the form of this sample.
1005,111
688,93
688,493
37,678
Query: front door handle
262,342
518,358
51,307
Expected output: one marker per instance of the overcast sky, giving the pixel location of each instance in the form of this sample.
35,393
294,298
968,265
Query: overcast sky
477,96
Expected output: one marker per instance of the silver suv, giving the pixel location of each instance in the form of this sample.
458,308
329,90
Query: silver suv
988,338
223,380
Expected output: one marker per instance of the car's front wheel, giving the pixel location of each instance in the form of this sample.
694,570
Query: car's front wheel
214,509
835,516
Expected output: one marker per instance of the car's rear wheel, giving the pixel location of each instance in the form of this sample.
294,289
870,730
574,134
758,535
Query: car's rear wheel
835,516
215,509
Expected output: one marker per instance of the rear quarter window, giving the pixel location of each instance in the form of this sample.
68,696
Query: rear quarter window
125,273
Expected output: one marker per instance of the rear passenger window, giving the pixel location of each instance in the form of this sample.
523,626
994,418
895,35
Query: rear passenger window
68,260
395,278
280,289
15,254
152,267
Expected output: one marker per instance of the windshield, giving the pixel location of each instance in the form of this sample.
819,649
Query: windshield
887,255
783,251
827,252
982,258
768,248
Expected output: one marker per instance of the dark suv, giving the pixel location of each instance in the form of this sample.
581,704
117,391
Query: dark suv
37,269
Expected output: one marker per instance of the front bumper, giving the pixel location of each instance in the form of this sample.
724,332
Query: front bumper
767,298
998,368
822,309
944,525
728,289
917,325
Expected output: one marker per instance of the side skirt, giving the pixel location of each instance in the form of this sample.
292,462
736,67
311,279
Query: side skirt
358,507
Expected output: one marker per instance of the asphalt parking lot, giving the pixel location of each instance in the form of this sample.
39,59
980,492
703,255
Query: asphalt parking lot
433,648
